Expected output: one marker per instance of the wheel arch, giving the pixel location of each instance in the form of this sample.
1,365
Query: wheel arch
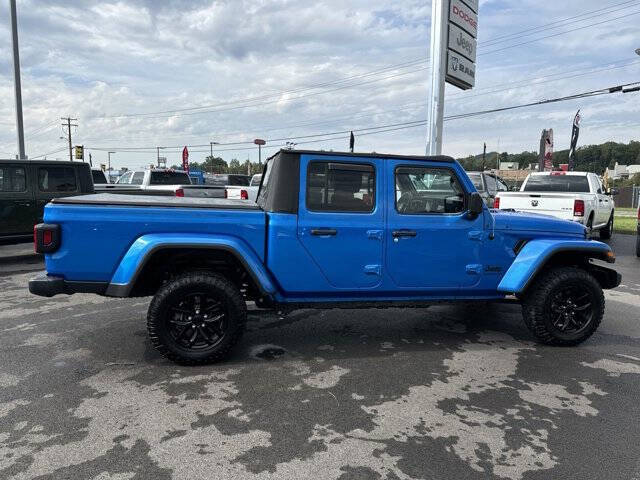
151,258
537,256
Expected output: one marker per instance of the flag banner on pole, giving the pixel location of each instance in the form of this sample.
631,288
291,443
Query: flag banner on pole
352,142
575,133
548,150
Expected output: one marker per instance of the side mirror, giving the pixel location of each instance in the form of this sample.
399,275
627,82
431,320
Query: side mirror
614,191
476,205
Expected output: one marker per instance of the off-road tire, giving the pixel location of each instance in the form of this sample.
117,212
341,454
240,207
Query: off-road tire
159,317
607,231
536,305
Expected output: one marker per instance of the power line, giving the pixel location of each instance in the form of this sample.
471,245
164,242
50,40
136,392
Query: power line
629,87
560,23
49,153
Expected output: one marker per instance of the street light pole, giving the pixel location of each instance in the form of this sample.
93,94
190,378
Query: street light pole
16,80
109,164
211,156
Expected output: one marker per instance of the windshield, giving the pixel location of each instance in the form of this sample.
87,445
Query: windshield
239,180
557,183
169,178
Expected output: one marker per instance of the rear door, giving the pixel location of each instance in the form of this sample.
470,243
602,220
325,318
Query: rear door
54,181
18,211
341,219
431,244
603,201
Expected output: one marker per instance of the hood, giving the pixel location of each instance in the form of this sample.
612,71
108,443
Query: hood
535,222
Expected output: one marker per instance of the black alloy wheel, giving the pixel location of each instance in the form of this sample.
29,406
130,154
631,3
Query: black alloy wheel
571,310
196,318
564,306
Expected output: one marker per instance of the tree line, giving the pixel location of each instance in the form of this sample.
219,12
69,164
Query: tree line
218,165
590,158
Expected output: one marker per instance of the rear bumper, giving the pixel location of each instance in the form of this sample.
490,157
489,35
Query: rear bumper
49,286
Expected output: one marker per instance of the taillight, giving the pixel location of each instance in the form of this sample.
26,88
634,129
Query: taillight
46,238
179,192
496,203
578,208
244,195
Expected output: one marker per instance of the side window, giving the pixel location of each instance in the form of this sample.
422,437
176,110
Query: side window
13,179
340,187
57,179
137,178
440,191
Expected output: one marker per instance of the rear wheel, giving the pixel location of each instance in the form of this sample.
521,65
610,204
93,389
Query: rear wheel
564,306
196,318
638,244
607,231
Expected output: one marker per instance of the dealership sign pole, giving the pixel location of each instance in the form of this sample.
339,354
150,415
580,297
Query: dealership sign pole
454,29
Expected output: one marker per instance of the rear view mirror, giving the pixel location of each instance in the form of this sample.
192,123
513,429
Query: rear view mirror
476,205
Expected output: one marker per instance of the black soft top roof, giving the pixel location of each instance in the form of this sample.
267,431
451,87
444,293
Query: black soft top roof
439,158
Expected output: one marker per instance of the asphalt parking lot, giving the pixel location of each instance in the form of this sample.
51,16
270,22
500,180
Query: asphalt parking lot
448,392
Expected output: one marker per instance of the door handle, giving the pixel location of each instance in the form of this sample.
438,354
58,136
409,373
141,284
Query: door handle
404,233
324,232
24,204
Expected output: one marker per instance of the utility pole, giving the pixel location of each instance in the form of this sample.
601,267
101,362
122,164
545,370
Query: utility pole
109,164
211,144
68,124
438,56
16,80
484,155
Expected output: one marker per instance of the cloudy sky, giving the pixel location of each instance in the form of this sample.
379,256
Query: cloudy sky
146,73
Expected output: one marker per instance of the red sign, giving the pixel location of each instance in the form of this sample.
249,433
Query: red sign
259,141
185,159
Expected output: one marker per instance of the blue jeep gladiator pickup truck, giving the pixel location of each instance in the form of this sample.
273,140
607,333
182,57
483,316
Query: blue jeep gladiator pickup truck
329,230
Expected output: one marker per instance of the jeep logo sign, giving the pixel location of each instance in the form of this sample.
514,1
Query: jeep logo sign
463,17
462,43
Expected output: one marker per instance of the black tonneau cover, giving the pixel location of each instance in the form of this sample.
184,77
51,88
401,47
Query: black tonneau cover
157,201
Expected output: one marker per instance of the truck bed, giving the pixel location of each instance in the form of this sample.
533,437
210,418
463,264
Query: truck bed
157,201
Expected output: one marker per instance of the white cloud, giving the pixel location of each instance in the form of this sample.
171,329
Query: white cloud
91,59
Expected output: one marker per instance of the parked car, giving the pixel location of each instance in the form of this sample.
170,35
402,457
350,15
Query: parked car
99,177
329,230
575,196
488,186
160,182
27,185
244,193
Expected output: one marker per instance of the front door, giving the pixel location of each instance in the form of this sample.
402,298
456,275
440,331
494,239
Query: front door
431,242
341,220
18,212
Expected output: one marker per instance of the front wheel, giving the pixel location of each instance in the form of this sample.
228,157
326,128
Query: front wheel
564,306
196,318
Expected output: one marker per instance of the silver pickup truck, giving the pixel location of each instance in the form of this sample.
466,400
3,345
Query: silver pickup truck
161,182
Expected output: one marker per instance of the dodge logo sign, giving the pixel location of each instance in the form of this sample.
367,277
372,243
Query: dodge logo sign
534,203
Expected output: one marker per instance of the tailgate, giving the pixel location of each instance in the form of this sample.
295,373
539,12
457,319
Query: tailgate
559,205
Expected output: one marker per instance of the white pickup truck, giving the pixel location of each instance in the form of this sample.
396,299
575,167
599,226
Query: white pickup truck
575,196
159,182
243,192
